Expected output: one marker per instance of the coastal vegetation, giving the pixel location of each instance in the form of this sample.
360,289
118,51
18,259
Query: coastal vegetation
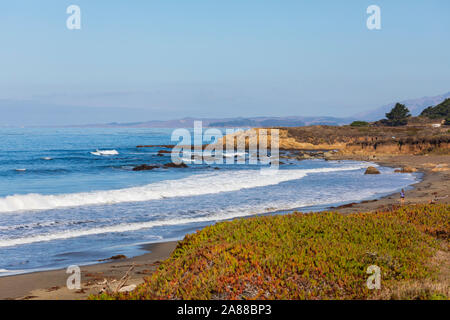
307,256
359,124
441,111
399,133
398,116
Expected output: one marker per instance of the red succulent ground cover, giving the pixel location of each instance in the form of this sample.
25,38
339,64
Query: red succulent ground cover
300,256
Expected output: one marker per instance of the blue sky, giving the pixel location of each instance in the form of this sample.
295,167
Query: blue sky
224,58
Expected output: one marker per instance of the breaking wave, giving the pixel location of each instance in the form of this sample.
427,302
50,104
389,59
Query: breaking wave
191,186
220,215
105,152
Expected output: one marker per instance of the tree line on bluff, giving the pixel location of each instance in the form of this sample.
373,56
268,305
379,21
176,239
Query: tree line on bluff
400,114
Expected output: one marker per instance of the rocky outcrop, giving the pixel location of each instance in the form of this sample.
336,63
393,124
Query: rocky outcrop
396,148
372,170
170,146
286,141
367,141
144,167
406,170
443,167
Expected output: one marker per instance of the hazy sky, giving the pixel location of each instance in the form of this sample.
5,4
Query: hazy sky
223,57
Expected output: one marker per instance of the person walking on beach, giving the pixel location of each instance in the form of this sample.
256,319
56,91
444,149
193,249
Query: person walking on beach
402,197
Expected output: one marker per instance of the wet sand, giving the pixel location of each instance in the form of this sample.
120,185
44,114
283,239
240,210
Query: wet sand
51,285
435,186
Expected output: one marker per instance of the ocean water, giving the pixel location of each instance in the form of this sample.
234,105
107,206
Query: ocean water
69,196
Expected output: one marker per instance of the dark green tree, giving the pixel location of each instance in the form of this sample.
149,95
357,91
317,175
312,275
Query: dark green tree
398,116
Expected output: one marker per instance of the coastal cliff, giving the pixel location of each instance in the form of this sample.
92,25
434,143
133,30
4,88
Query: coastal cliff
347,140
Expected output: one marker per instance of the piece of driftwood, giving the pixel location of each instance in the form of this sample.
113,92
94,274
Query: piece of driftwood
124,279
109,288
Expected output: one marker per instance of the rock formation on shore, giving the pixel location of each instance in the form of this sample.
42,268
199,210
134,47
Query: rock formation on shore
372,170
347,140
406,170
174,165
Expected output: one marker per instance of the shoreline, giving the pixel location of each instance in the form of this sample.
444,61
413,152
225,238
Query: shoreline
51,284
434,185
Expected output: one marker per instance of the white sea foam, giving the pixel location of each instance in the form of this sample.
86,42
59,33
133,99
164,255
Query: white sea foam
105,152
191,186
44,224
95,231
234,154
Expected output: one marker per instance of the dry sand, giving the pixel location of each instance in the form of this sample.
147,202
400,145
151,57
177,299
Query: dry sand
435,186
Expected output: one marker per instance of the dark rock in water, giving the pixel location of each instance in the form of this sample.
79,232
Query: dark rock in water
277,163
117,257
174,165
317,154
329,154
144,167
304,156
156,146
372,170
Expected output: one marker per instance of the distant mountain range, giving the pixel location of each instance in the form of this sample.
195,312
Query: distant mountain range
414,105
66,116
230,122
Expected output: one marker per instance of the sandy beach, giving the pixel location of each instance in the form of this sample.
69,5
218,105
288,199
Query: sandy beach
434,186
51,285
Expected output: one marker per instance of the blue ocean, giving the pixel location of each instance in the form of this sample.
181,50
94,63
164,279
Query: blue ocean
69,196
